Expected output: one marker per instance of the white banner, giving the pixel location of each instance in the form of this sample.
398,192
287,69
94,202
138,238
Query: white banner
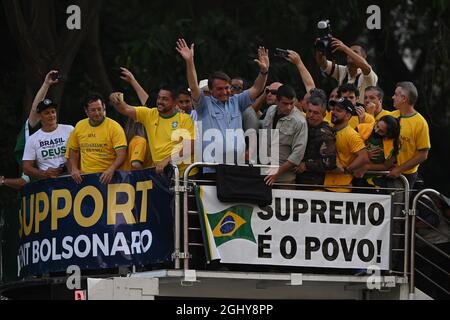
300,228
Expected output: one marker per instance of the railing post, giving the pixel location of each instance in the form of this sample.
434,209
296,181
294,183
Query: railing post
412,284
406,240
177,217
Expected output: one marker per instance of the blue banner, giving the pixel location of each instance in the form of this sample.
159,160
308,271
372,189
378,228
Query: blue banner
95,226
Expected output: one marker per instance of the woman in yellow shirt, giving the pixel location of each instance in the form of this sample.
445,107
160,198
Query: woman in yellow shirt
138,156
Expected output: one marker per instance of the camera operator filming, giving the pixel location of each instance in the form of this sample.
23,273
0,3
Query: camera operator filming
357,70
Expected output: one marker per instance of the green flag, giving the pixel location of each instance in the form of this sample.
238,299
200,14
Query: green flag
232,223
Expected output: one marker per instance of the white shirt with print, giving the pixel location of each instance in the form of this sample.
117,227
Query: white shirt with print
48,149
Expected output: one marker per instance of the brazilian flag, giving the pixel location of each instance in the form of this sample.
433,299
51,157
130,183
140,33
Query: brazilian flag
232,223
224,226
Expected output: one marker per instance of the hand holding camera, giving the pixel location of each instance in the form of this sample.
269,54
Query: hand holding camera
52,77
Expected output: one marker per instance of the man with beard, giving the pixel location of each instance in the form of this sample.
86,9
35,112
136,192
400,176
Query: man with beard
320,154
168,130
98,143
352,156
351,93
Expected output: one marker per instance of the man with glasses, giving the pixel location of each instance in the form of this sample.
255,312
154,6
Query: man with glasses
237,85
267,99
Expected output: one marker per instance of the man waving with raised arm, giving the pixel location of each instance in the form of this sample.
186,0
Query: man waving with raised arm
221,111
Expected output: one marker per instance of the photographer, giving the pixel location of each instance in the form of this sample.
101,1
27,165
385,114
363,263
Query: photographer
357,71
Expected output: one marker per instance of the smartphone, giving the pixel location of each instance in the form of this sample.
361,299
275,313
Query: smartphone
57,76
281,53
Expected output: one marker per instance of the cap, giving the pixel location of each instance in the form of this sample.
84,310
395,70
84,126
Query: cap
345,104
47,103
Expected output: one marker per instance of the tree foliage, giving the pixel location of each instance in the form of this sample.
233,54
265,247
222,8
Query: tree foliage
141,36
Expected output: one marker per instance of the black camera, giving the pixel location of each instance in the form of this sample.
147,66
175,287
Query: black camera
323,44
56,76
281,53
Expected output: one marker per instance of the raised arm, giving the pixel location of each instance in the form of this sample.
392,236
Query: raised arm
129,77
321,60
33,117
360,62
307,79
260,82
188,55
116,99
259,103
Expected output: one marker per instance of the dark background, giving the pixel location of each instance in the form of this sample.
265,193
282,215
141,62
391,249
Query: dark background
141,36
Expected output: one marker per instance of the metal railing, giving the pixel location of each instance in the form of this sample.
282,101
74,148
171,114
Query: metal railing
404,191
415,236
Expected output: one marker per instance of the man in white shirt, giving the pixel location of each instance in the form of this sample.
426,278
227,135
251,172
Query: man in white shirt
44,155
358,71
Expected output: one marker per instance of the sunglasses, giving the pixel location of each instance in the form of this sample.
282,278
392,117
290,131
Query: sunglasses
236,88
274,92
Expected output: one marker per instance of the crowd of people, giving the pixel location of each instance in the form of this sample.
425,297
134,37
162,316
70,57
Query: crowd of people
329,140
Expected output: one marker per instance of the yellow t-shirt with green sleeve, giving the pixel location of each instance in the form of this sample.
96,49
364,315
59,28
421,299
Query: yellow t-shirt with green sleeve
97,144
348,144
138,151
166,134
414,136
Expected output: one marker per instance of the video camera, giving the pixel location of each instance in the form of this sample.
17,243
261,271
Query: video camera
323,44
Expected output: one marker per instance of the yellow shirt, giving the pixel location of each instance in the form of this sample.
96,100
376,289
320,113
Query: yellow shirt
348,144
139,151
354,121
383,113
97,145
328,118
414,136
395,113
165,134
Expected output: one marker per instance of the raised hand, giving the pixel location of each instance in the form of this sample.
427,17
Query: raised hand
183,49
370,108
293,57
361,112
116,98
49,78
338,45
126,75
263,59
